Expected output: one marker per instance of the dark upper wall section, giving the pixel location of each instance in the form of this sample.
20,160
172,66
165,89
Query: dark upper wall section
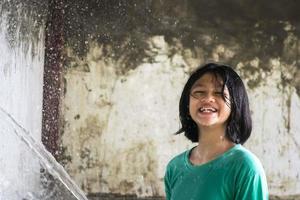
154,16
261,29
112,21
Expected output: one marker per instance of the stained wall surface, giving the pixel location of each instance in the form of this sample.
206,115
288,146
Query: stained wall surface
21,75
125,68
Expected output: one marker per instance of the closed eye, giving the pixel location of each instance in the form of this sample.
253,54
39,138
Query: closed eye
198,93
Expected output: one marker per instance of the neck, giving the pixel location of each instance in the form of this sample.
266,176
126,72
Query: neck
212,142
212,137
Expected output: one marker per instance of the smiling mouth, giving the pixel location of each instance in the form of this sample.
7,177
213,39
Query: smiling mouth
207,110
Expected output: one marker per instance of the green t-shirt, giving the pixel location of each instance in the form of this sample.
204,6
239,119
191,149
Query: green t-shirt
237,174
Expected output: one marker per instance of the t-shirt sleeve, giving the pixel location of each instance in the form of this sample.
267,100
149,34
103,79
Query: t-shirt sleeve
167,183
252,186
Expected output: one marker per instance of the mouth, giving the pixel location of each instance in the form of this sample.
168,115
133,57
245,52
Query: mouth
207,110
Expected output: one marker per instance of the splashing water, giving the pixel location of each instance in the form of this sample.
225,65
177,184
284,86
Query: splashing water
45,158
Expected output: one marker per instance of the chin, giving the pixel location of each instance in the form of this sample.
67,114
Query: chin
206,124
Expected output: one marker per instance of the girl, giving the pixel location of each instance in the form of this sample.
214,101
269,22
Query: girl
214,111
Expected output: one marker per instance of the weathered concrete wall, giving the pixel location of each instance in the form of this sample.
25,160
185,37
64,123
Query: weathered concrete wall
21,75
123,140
125,69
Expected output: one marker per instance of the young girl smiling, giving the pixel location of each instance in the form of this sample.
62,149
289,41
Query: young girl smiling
214,111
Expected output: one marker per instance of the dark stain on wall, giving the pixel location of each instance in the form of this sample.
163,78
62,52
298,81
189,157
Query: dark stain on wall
24,19
252,28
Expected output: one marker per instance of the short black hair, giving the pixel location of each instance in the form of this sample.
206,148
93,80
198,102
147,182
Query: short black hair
239,123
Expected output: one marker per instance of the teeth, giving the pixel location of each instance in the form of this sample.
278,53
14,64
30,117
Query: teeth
208,109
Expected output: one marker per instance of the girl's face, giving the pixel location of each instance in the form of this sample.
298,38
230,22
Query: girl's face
207,106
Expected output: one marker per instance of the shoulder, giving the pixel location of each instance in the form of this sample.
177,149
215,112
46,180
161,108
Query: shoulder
178,160
247,160
247,166
250,178
177,164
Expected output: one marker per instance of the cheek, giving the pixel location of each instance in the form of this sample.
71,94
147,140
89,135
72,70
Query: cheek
227,110
192,105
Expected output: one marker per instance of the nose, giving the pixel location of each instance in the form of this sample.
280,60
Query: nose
208,98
